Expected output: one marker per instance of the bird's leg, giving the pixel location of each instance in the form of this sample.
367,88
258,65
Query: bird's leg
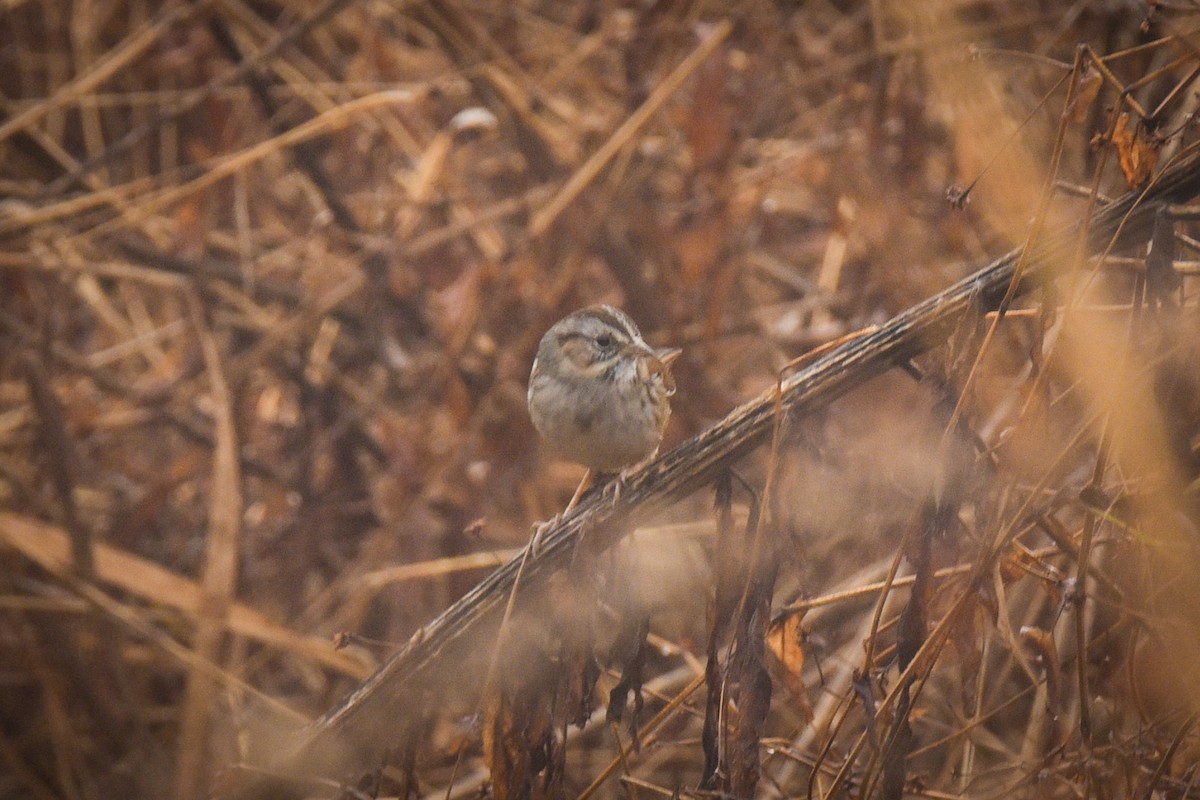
543,528
585,483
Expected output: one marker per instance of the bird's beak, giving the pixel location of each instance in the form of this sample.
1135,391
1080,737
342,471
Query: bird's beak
668,355
665,358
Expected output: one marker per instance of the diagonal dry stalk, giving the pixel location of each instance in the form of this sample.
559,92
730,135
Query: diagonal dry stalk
389,706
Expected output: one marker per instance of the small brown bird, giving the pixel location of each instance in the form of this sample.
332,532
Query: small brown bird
598,394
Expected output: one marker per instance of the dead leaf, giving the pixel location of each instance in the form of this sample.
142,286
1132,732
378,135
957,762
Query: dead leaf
785,640
518,735
1135,150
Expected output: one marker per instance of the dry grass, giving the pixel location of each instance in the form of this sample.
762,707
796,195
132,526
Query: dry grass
272,277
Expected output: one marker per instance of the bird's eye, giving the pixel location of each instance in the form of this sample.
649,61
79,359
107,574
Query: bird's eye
604,341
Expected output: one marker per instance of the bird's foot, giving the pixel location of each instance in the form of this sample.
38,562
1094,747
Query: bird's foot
540,530
619,481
